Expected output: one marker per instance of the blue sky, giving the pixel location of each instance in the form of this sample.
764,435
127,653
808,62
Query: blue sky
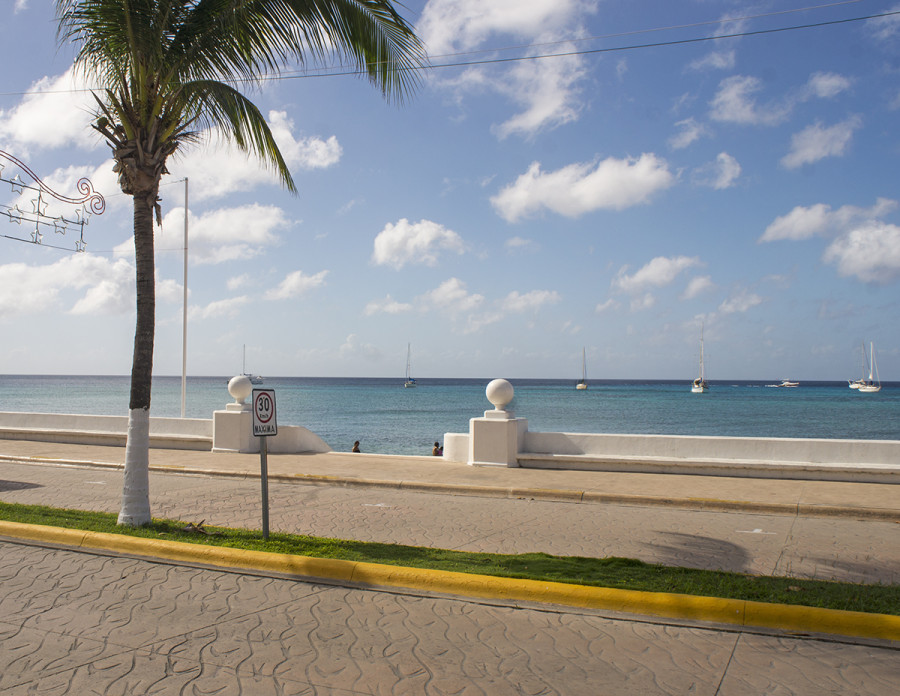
596,192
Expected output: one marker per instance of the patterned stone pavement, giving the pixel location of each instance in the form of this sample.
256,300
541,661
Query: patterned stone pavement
82,623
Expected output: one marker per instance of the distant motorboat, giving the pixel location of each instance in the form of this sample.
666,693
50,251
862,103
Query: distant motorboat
583,383
699,385
410,382
785,383
873,384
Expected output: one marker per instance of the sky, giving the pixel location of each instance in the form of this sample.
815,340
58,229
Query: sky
600,175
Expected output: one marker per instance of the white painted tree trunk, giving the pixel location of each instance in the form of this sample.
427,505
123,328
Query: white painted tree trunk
136,485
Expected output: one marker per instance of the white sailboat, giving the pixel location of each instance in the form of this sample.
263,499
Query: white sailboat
857,383
583,383
699,385
410,382
873,384
254,379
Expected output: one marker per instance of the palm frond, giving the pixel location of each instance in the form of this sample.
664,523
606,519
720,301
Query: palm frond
162,63
222,107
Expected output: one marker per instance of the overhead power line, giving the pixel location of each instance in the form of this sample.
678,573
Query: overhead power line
340,71
613,49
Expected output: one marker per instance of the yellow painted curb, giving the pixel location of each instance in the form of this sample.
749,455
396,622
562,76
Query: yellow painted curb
668,605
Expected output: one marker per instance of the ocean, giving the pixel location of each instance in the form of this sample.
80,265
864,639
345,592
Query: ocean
388,419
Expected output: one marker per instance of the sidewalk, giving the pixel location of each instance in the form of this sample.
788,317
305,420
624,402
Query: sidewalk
431,474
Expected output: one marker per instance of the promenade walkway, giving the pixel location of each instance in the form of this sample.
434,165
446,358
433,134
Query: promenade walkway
131,626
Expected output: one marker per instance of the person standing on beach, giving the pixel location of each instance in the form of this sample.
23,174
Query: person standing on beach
355,446
437,450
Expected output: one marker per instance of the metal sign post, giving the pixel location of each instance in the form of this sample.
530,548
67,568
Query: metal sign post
265,424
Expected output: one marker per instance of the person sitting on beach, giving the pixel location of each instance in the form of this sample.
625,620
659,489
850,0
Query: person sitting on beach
437,450
355,446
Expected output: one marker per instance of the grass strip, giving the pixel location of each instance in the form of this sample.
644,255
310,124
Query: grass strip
621,573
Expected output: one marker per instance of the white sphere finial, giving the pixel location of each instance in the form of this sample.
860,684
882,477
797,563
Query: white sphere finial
240,388
499,392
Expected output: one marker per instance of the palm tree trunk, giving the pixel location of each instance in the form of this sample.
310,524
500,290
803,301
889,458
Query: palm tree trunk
135,509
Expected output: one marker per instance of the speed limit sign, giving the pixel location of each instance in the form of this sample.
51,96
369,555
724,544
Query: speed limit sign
264,421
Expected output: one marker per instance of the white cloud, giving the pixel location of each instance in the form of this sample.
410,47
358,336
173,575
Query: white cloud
419,242
547,89
871,252
603,306
894,103
800,223
217,168
817,142
640,302
715,60
805,222
827,85
352,348
697,286
735,103
168,290
720,174
449,26
295,284
224,234
305,153
533,300
862,245
583,187
79,284
691,131
452,296
885,28
237,282
476,322
55,112
659,272
228,308
20,5
740,303
519,243
386,306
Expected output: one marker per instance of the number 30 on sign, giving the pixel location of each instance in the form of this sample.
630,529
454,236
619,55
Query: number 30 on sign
264,421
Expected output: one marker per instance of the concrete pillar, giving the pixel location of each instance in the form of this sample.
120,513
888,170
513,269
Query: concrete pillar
233,427
494,439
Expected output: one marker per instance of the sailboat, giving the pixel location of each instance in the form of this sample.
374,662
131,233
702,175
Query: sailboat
873,384
583,383
699,385
254,379
857,383
410,382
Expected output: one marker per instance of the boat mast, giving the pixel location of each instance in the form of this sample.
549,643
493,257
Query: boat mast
701,352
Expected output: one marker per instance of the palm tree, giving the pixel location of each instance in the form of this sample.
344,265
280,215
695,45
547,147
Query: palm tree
167,69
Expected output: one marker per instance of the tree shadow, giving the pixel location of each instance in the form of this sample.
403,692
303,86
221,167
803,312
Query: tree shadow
702,552
858,572
6,486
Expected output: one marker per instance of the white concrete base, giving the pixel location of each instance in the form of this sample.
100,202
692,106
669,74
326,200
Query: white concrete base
456,447
494,439
233,430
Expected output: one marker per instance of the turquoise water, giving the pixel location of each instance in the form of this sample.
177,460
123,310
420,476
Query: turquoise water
389,419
